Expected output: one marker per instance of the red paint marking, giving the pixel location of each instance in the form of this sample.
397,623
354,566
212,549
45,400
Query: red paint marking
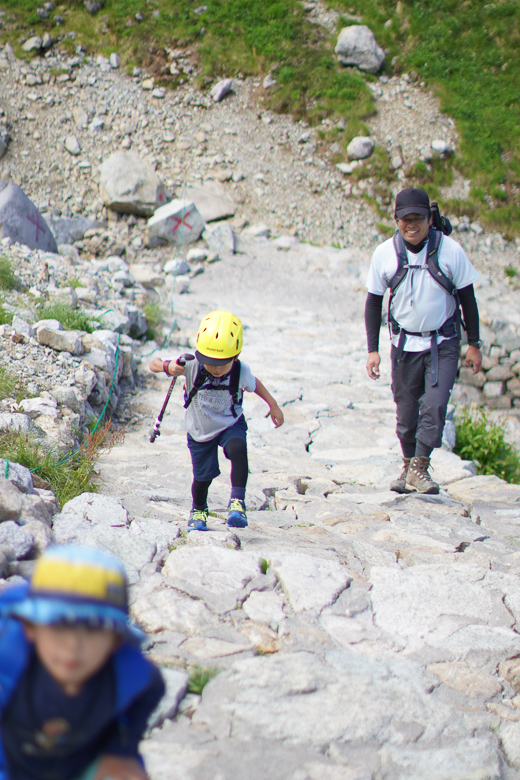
179,223
38,222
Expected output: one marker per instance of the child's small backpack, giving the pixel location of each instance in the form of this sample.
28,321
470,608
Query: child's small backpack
202,382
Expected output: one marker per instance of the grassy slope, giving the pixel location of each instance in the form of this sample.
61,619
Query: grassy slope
466,50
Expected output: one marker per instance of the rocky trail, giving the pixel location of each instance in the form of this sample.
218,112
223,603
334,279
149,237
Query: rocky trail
354,634
357,633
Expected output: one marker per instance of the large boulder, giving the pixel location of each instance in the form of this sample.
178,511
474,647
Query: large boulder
67,230
130,185
178,222
21,221
358,47
212,200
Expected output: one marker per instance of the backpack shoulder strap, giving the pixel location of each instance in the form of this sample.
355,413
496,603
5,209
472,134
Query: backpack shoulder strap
432,262
234,385
402,263
199,380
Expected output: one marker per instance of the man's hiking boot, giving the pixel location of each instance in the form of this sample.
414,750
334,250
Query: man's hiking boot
418,477
198,520
399,484
237,513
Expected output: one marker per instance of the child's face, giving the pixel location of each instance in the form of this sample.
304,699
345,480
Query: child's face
72,654
221,370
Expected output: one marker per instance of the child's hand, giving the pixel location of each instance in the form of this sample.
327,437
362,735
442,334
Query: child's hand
276,415
174,369
120,768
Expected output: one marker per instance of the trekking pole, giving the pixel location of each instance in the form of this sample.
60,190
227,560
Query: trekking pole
155,432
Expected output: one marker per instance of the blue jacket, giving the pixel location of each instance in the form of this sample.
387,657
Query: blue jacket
133,672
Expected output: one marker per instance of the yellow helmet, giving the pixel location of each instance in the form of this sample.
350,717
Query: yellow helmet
219,338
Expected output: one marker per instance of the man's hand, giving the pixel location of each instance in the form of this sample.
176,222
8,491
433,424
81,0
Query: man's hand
119,768
276,415
374,359
474,358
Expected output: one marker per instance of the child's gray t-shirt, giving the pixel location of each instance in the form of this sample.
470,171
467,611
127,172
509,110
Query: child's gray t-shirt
210,411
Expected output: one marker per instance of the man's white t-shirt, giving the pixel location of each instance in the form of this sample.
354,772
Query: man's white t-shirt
210,412
420,304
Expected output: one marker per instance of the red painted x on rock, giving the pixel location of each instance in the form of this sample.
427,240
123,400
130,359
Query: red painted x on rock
179,222
35,219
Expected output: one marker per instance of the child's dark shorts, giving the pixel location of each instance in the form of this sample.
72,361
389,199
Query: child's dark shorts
204,454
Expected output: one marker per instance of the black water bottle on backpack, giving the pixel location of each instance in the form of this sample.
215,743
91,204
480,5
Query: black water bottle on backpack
438,221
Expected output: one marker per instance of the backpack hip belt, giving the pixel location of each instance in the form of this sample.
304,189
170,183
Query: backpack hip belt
449,329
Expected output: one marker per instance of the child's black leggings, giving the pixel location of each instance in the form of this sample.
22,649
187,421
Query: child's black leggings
236,451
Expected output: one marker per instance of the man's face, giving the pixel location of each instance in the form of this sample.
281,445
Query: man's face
221,370
72,654
413,228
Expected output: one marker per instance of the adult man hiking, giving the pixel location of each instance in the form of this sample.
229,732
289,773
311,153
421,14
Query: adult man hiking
428,275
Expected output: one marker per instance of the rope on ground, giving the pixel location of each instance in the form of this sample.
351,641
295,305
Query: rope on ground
6,472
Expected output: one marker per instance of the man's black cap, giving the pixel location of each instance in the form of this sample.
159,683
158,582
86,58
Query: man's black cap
412,201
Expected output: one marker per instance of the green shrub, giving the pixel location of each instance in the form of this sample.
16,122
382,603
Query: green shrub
67,477
70,318
8,384
8,280
152,312
482,440
200,677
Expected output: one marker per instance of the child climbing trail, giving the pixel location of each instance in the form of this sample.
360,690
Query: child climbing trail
215,385
76,692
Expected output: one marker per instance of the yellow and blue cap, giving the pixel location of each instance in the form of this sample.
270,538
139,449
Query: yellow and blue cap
72,584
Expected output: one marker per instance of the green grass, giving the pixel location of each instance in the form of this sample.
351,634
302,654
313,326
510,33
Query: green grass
200,677
152,312
66,479
247,37
468,52
8,384
8,280
70,318
481,440
264,565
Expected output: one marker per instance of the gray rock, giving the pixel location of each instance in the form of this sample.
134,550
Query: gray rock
129,185
21,221
177,267
23,327
16,540
32,44
176,688
115,60
441,147
19,476
10,498
93,7
357,46
221,89
51,324
115,321
15,422
5,139
36,406
96,510
360,148
68,230
220,238
178,222
72,145
212,200
296,572
61,340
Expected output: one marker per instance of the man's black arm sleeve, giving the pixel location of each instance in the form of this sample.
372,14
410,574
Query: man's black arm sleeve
470,313
373,311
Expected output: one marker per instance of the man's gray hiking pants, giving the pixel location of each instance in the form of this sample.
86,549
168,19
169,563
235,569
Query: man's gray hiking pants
421,408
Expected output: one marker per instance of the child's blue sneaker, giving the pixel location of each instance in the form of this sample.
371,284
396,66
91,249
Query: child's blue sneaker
198,520
237,513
